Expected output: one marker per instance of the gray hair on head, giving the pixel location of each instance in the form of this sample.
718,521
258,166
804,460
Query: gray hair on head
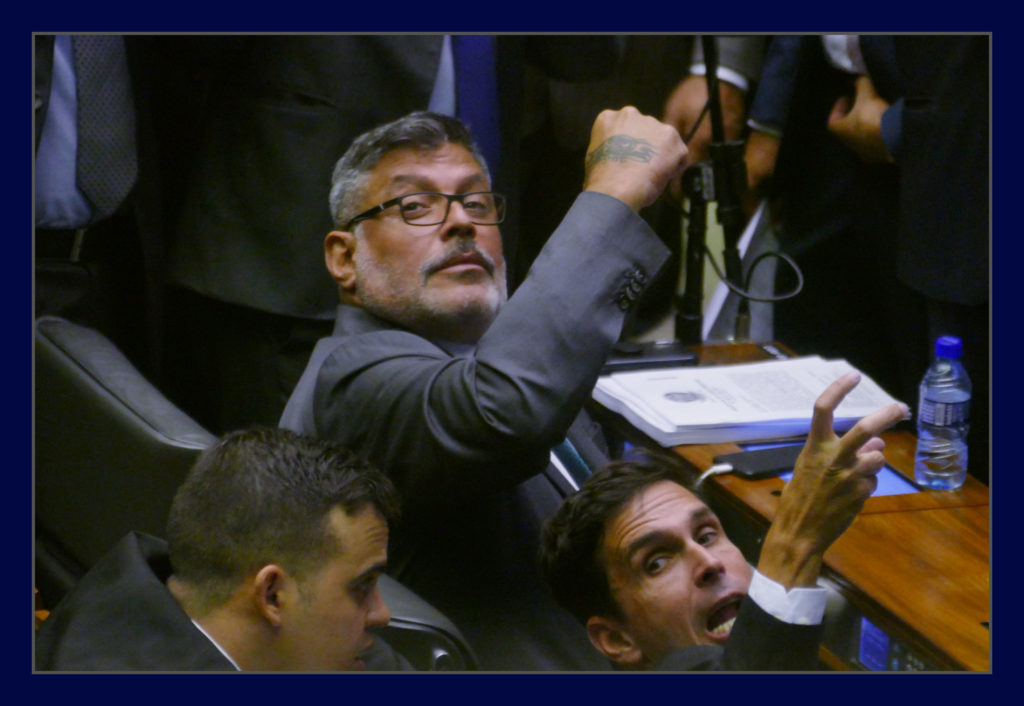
419,130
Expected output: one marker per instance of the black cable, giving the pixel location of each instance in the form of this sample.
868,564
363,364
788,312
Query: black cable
743,293
750,272
700,118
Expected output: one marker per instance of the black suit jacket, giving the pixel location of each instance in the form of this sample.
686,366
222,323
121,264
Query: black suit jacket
277,112
758,643
944,166
120,617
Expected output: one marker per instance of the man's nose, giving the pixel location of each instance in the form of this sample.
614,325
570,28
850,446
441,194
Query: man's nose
378,614
458,222
709,567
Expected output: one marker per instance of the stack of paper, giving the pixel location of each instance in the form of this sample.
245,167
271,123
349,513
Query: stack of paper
747,402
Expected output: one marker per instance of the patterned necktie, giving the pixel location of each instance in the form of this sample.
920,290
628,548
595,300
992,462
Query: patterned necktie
476,92
107,166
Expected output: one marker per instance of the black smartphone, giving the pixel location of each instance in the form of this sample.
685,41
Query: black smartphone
762,463
628,355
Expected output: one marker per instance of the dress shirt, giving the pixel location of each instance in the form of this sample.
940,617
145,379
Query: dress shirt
798,606
58,202
843,52
442,99
724,73
221,649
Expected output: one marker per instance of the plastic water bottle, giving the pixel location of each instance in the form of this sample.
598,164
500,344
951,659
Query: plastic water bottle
942,419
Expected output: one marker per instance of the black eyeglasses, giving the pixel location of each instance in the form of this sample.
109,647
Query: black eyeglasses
429,208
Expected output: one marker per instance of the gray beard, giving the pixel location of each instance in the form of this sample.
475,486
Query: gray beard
464,323
467,324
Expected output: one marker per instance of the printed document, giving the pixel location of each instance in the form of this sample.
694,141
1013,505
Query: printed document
746,402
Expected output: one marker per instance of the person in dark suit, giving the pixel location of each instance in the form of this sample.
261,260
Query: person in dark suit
833,213
97,232
248,295
879,149
936,133
275,543
462,395
644,564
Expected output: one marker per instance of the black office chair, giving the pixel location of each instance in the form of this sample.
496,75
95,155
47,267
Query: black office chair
110,452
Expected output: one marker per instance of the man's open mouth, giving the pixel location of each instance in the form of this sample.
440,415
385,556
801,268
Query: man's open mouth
722,618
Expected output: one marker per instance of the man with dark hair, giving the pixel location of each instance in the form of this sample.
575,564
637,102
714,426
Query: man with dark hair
275,544
644,564
461,395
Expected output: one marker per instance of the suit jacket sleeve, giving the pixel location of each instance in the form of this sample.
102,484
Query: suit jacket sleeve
490,416
758,643
771,103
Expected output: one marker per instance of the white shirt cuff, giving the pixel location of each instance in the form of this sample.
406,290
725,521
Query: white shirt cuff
799,606
766,129
724,74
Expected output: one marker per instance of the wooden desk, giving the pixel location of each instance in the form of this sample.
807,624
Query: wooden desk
915,565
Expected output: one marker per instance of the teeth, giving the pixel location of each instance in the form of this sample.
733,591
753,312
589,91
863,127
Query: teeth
724,628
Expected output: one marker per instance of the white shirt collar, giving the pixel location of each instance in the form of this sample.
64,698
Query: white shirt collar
222,650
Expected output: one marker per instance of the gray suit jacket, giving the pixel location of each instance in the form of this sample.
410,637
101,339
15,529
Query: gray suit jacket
466,432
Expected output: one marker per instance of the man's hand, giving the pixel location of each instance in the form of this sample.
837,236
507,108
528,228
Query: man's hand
859,126
632,157
833,478
684,106
760,155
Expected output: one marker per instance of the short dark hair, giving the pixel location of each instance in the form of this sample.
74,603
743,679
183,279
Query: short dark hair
419,130
261,496
571,541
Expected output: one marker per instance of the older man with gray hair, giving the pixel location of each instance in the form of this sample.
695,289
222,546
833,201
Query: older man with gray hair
460,395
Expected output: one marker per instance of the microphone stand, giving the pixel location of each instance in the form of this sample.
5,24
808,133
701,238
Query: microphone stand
698,188
728,179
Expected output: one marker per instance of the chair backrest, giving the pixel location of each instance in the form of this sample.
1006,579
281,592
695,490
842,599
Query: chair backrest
110,452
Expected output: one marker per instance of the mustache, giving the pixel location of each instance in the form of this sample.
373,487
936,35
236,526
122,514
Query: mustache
463,251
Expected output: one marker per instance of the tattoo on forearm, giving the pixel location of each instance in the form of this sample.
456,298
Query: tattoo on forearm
621,148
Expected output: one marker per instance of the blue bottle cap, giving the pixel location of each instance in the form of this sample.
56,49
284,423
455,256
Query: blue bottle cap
948,347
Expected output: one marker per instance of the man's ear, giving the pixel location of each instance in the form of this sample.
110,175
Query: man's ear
339,254
273,591
614,642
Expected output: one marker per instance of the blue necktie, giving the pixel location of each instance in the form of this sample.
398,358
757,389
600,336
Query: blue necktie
476,92
573,462
107,165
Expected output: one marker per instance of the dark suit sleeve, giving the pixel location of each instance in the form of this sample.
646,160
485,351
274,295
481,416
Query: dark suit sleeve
758,643
778,78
